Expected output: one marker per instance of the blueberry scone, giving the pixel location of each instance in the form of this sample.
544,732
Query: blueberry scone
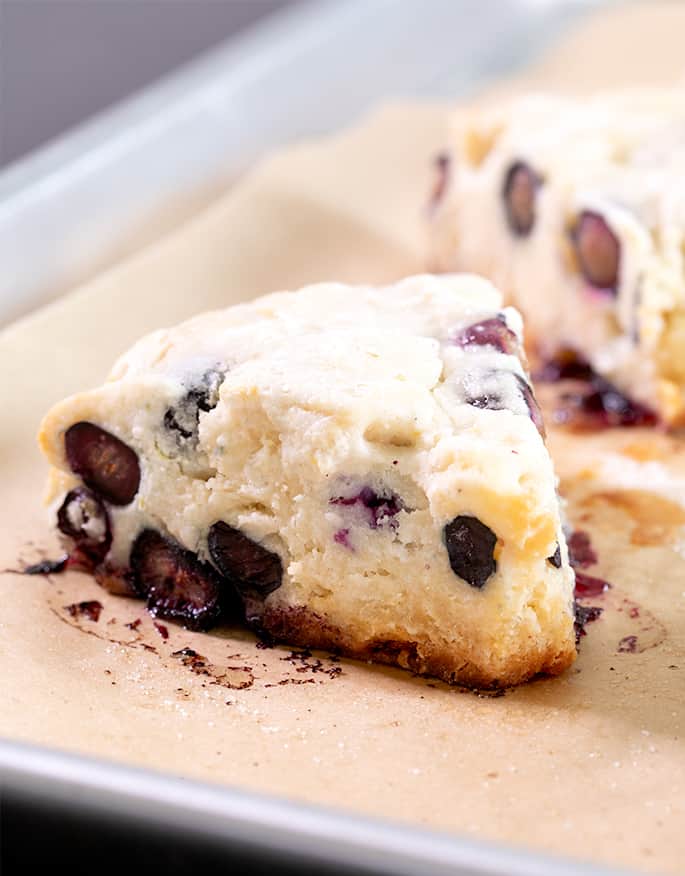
575,208
352,468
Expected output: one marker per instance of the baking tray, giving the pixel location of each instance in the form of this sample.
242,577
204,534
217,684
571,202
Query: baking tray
229,815
230,826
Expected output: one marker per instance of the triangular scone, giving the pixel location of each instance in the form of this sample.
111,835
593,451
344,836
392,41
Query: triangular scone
575,207
364,466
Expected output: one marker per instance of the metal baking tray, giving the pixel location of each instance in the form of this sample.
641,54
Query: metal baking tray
231,826
153,161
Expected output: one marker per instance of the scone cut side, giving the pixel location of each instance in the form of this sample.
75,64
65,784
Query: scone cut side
575,209
352,468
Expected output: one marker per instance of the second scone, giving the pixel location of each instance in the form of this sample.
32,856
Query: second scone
574,208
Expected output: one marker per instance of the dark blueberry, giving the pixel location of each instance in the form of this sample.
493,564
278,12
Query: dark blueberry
177,420
251,568
565,365
531,403
82,517
584,614
555,559
183,417
176,584
600,405
596,402
470,546
519,193
607,406
116,580
379,509
442,164
492,332
105,463
485,389
598,250
492,400
580,551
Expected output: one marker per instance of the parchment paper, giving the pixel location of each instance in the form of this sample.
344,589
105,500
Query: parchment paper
591,764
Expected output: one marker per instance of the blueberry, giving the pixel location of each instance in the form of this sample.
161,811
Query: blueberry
182,419
531,403
491,394
566,364
117,580
607,406
598,251
555,559
493,332
82,517
250,567
490,401
584,614
379,509
470,546
596,401
106,464
485,389
519,193
176,584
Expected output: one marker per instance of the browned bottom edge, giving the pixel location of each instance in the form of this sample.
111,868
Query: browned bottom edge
300,626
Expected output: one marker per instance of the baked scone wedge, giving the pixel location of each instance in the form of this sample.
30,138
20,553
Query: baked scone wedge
575,208
361,469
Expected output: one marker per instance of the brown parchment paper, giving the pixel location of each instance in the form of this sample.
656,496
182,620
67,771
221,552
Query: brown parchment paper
591,764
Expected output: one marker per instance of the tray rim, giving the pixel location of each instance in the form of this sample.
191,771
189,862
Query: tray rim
261,824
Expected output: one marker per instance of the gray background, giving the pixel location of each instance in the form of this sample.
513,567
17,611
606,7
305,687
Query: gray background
119,181
63,60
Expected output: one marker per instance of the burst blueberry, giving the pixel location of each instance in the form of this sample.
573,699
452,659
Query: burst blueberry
378,508
249,566
493,332
182,419
176,584
82,518
103,461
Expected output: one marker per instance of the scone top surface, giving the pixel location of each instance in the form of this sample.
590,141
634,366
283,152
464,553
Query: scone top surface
575,208
381,445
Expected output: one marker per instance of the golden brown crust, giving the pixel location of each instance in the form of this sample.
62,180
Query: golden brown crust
298,625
